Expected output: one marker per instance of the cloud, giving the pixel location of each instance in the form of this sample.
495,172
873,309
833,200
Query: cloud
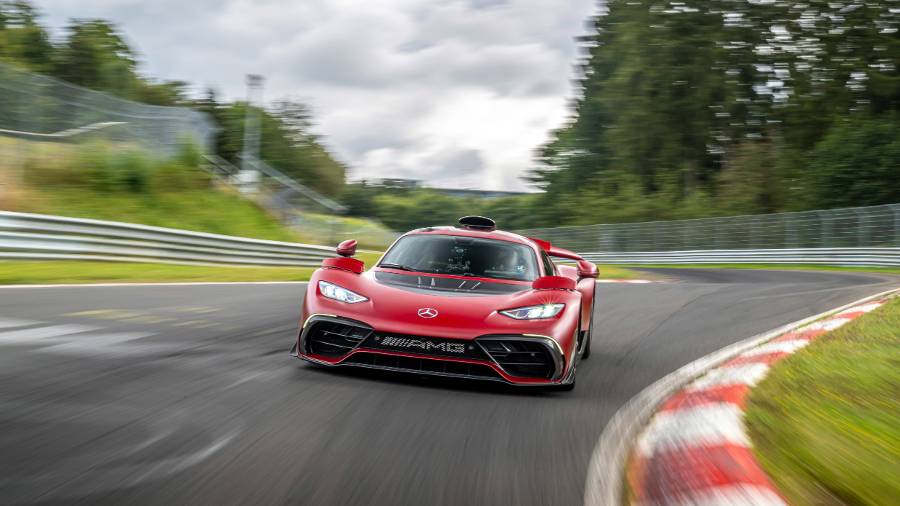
400,88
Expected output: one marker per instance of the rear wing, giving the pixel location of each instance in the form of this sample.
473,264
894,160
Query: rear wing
556,251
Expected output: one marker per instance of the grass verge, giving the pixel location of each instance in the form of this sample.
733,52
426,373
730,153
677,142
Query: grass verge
619,272
202,210
67,272
825,423
16,272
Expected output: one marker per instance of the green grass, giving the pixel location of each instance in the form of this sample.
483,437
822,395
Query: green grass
619,272
786,267
826,422
122,182
63,272
16,272
204,210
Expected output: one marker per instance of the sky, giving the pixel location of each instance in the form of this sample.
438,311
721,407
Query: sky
457,93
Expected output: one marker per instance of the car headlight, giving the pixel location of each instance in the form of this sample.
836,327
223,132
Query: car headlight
534,312
332,291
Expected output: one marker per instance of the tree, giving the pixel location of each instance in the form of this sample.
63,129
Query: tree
22,39
95,55
857,164
719,102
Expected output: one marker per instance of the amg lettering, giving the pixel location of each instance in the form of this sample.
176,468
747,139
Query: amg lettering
402,342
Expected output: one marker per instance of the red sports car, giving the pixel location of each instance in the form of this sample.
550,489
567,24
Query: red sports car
467,301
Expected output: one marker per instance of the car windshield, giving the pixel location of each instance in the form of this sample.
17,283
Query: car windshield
463,256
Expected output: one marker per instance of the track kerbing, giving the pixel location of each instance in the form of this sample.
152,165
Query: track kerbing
696,449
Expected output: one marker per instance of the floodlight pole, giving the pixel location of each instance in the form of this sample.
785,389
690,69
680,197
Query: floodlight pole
249,174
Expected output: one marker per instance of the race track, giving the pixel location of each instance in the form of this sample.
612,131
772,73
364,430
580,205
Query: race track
186,394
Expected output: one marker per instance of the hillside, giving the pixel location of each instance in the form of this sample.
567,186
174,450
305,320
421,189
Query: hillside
122,183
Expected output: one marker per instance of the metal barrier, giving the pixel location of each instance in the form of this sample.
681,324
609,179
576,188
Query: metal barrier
42,237
849,236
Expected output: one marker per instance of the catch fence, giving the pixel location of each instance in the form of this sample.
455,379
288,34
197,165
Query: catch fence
847,236
40,108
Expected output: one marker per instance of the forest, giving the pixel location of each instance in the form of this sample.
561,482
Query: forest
680,109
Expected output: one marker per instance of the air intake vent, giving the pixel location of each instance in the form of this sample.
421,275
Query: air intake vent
478,223
521,357
334,338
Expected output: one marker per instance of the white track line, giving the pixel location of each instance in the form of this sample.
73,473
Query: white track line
227,283
203,283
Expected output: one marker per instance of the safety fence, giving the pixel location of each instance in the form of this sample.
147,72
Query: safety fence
42,237
40,108
848,236
878,257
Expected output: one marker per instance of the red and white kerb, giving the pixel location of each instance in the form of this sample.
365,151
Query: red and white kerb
696,451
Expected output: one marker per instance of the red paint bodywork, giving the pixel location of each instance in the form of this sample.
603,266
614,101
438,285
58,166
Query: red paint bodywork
392,309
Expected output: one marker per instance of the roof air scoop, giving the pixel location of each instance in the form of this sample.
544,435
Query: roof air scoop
478,223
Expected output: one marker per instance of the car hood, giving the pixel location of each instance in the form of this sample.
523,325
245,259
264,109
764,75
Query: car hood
455,307
423,284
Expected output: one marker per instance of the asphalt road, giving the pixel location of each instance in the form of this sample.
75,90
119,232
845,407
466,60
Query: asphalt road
186,394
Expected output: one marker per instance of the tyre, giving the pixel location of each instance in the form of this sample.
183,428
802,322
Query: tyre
586,352
587,346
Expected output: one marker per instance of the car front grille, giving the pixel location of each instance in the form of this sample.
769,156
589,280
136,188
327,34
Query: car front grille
423,345
335,338
520,357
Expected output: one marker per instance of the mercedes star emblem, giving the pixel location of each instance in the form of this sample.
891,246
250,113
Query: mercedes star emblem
427,312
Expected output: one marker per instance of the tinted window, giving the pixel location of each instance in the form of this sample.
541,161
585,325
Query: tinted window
464,256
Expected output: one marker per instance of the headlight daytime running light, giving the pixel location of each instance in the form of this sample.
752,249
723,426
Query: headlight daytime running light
338,293
534,312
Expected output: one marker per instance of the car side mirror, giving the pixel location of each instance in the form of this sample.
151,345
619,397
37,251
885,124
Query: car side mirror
553,283
587,270
347,248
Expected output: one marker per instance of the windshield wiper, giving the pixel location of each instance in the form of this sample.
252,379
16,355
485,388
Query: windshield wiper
399,267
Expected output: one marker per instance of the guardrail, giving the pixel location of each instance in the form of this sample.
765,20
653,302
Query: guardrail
878,257
43,237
